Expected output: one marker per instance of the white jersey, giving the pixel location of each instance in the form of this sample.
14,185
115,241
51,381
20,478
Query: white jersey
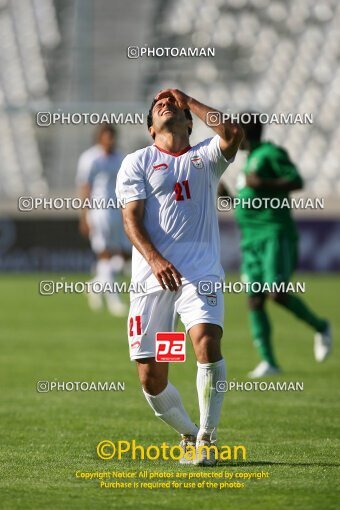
180,207
99,170
103,174
85,162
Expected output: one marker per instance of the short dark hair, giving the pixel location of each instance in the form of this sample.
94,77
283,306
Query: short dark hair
103,128
252,126
149,119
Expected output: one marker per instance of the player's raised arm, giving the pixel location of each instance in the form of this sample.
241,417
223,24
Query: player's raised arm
280,185
230,133
286,176
166,274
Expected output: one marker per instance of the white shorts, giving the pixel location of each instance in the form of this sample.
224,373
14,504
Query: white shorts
159,311
107,232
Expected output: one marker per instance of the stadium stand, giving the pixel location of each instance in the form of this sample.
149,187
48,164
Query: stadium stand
272,56
28,30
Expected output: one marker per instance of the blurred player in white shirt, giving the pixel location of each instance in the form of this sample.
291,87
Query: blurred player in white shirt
170,217
96,179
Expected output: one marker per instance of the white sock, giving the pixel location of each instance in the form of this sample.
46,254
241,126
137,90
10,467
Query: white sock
117,263
168,406
210,401
106,273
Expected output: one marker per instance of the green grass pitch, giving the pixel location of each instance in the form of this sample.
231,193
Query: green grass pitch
47,437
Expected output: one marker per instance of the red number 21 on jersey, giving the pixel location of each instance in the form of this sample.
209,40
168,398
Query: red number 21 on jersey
178,189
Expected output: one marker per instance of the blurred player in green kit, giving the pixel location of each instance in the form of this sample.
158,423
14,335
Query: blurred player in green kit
269,243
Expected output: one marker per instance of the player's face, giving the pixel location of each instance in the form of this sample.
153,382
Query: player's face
107,141
166,113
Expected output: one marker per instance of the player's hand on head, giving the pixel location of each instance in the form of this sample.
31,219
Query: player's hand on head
180,97
166,274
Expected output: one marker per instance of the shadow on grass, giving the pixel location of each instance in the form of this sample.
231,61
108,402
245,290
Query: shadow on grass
274,463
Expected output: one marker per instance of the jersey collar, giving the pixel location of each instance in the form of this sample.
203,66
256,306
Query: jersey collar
175,154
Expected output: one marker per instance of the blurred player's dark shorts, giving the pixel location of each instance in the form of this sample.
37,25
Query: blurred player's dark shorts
270,260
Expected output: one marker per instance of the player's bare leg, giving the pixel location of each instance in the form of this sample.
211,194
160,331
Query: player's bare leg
165,401
164,398
152,375
211,368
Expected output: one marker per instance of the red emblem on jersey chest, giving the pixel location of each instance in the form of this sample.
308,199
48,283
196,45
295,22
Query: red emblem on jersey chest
197,161
161,166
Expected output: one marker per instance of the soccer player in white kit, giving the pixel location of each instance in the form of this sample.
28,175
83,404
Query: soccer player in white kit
170,217
96,179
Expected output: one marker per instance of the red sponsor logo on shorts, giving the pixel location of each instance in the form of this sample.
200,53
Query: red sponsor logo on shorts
135,344
170,347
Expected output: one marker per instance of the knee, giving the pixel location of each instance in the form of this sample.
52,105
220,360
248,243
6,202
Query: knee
278,297
152,382
208,349
256,302
152,385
